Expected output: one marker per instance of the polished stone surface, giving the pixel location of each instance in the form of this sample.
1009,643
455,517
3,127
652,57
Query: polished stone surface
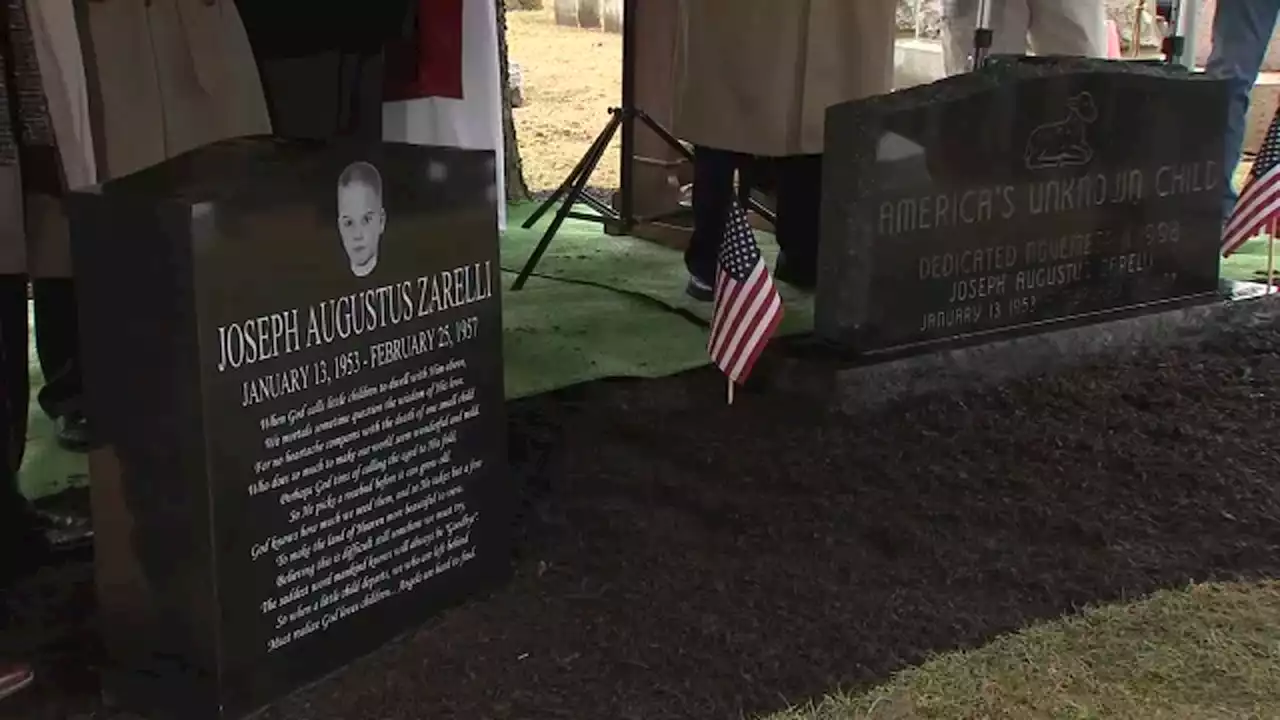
1035,192
857,388
293,352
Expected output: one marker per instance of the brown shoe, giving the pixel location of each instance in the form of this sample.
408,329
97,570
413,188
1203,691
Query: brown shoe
14,677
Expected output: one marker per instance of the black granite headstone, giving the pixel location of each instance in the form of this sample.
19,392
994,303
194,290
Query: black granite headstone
293,351
1026,195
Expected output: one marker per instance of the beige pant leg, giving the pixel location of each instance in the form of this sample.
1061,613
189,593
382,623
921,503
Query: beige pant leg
1010,21
34,237
1069,27
13,240
48,237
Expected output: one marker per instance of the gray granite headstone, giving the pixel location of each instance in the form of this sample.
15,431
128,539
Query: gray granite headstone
589,13
566,12
1033,193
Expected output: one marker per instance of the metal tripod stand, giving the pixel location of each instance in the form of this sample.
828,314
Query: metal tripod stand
573,190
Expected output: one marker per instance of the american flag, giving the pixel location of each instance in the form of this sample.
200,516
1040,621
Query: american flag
747,305
1259,204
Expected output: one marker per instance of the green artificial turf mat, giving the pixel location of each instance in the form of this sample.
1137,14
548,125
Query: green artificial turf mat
557,332
1249,263
580,251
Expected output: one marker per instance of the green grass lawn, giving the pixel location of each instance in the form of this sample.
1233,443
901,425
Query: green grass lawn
1207,652
1249,263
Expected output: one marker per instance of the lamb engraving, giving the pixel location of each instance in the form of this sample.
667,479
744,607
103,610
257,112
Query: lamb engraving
1064,143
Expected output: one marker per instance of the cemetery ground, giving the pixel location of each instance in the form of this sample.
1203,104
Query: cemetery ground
681,558
571,78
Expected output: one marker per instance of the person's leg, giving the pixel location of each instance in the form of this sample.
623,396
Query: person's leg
58,348
1241,31
14,676
1009,23
799,219
21,531
41,530
57,344
712,195
13,371
1076,27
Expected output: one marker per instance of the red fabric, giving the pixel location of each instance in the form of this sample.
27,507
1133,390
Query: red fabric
437,71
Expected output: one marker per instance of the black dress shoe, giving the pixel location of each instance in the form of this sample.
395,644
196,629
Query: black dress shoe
805,279
64,532
700,290
73,433
24,547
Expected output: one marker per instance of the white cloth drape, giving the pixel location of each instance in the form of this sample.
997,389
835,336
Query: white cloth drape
475,121
57,44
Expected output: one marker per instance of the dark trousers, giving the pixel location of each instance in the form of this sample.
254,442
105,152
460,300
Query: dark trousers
57,346
325,95
14,518
798,180
21,537
12,513
11,502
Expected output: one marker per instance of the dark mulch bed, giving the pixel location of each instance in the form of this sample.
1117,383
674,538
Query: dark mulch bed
692,560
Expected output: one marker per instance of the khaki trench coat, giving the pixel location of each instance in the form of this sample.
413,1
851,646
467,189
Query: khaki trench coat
165,77
129,83
33,233
757,76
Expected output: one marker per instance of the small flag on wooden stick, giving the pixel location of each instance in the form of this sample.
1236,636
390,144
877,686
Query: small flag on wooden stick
1259,204
747,305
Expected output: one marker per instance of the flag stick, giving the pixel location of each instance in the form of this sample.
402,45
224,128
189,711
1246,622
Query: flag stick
1271,257
730,392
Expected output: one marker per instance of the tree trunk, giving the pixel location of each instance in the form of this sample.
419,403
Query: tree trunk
516,190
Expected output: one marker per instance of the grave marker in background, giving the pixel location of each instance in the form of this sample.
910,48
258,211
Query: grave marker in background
294,353
1026,195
